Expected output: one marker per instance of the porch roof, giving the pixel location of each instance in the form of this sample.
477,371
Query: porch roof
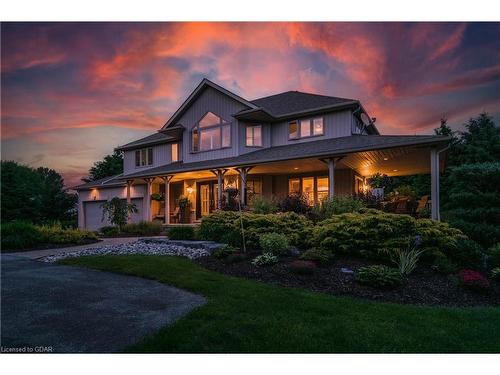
322,148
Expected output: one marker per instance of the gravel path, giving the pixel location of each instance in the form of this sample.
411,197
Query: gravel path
138,247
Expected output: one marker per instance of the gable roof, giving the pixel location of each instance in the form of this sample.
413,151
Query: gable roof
149,140
194,95
290,102
106,181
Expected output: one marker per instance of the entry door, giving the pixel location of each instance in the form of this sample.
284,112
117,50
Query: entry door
205,199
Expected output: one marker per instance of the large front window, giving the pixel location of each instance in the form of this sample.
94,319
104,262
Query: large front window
211,133
315,189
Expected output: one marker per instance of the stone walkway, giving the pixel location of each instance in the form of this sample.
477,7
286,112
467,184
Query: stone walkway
73,309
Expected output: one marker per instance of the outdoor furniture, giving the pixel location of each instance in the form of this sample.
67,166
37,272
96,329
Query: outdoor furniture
175,216
161,214
401,206
423,203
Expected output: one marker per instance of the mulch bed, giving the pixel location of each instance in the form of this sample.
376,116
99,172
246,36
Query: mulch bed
423,287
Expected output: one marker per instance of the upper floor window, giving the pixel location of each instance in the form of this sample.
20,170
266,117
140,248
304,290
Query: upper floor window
175,152
305,128
254,135
144,157
211,133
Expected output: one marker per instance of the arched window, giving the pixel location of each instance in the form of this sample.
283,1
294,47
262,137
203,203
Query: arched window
211,133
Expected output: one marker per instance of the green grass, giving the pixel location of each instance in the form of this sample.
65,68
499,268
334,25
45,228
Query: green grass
247,316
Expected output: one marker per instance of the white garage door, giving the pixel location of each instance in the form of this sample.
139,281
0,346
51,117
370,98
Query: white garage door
93,214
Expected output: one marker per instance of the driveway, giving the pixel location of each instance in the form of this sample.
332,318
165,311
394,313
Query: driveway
73,309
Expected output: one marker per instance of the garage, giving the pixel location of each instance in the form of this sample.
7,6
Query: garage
93,214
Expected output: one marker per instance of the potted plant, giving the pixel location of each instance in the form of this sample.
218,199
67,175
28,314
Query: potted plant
156,197
378,182
184,209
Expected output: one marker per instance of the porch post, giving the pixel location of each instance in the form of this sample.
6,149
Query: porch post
219,173
129,200
331,163
435,185
149,191
166,180
243,171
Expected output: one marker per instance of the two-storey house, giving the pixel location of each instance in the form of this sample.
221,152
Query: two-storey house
291,142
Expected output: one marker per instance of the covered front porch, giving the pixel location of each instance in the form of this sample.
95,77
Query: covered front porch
185,196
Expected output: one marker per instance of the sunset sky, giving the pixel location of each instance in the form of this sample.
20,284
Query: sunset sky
73,92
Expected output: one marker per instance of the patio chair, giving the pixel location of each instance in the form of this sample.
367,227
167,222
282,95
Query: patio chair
402,206
175,216
160,215
422,204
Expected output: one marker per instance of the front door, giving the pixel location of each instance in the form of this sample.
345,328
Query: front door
204,199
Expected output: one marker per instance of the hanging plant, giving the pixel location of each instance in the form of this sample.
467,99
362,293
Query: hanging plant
156,197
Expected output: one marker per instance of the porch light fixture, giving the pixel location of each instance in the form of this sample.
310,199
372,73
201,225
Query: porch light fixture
189,189
295,168
394,170
386,159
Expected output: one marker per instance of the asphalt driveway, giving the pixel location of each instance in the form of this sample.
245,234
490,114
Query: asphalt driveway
71,309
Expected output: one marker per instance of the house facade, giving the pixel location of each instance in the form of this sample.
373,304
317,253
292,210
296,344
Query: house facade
291,142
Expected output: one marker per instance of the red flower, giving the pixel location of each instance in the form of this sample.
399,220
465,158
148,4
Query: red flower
473,280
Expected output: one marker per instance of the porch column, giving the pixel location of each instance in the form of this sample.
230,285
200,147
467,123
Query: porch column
149,191
331,163
243,172
166,181
219,173
435,184
129,200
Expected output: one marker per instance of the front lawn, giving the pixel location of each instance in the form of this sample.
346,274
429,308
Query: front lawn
247,316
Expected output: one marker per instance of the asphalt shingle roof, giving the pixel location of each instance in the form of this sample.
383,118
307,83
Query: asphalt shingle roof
148,140
321,148
296,101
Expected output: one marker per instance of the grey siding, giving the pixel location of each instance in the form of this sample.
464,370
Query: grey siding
336,124
223,106
162,154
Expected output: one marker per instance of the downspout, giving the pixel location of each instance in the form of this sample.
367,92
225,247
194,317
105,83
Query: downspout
438,192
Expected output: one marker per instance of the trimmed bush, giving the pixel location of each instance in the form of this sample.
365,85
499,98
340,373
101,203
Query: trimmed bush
473,280
273,243
235,258
266,259
379,276
143,228
224,251
444,265
295,202
335,206
302,267
225,227
494,256
181,233
24,236
379,235
110,231
264,206
320,256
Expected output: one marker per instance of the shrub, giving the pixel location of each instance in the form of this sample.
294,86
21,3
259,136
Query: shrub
224,227
335,206
234,258
116,210
181,233
295,202
495,273
273,243
494,256
143,228
376,234
264,206
444,265
473,280
22,235
110,231
321,256
379,276
302,267
224,251
406,259
266,259
469,254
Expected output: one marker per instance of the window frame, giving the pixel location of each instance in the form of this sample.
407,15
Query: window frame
198,130
174,152
144,157
301,185
253,128
298,132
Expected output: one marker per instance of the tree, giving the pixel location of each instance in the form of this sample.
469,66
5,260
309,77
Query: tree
35,195
116,210
111,165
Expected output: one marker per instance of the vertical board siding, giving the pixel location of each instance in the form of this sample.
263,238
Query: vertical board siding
162,154
223,106
335,125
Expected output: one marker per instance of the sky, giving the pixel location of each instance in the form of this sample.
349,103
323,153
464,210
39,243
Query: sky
72,92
